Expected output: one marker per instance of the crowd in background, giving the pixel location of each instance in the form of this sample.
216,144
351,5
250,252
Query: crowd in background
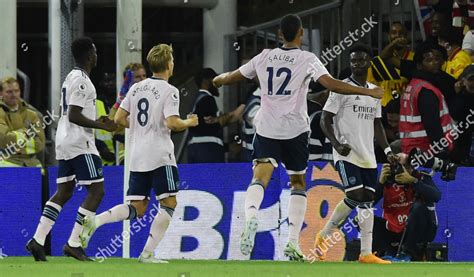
452,29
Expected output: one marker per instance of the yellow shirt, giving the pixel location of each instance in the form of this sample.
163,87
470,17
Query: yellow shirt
456,63
388,77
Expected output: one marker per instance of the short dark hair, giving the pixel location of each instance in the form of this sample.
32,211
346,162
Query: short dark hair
361,48
425,47
81,47
290,24
451,35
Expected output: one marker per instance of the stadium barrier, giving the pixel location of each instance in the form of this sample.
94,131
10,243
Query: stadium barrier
209,218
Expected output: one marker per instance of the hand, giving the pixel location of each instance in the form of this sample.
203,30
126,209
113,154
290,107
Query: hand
343,149
385,173
107,124
218,80
459,86
392,159
377,92
211,120
192,120
400,41
405,178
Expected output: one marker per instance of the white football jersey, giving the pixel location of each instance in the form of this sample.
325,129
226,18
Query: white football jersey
149,103
284,76
73,140
354,125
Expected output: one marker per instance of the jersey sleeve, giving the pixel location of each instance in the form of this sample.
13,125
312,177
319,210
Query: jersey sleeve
249,70
125,105
80,92
333,103
379,109
172,103
315,67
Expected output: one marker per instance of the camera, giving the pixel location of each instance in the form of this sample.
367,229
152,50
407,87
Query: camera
394,170
447,169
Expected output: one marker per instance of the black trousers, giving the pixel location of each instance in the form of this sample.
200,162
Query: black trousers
384,242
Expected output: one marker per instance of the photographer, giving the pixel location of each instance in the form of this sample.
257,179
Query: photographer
409,215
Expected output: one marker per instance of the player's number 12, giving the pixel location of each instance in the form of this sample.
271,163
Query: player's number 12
282,90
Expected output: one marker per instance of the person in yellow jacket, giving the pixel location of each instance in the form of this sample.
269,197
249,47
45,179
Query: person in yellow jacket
458,59
104,139
21,129
385,68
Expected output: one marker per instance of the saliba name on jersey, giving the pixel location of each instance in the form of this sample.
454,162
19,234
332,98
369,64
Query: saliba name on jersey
282,57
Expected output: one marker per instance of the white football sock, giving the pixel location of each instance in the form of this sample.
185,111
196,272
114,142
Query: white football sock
48,218
253,200
296,213
158,229
74,240
365,217
118,213
340,213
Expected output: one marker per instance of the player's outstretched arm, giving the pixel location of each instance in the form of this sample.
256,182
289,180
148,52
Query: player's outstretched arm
121,118
343,88
75,116
228,78
328,130
177,124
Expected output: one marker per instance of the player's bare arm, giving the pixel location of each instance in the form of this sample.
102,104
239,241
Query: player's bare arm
121,118
228,78
176,124
75,116
328,130
381,138
344,88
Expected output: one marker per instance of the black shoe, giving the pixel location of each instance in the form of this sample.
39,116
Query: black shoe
76,252
36,250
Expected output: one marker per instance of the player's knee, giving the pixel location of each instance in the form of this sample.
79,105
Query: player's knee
357,195
97,191
298,182
64,194
170,202
140,207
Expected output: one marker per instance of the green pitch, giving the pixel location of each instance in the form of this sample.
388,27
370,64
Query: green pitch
58,266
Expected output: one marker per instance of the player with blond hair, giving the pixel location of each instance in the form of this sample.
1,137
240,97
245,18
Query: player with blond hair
151,111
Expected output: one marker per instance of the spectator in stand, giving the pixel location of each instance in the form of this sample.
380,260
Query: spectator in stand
385,68
133,73
21,129
458,59
439,20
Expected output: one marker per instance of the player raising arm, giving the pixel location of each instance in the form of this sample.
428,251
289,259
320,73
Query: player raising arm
282,124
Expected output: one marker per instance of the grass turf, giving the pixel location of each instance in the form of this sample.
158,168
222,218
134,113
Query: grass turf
61,266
